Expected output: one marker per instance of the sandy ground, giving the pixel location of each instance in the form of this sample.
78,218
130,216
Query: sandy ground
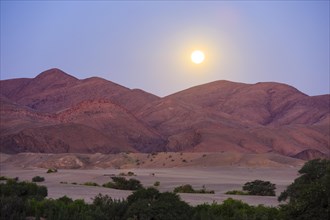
220,179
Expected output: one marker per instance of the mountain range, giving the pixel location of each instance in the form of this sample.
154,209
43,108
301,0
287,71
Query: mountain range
58,113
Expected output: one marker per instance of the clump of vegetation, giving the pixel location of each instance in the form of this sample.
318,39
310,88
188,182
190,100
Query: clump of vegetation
157,183
3,178
187,188
38,179
24,190
260,188
237,192
235,209
90,184
142,204
8,178
52,170
74,183
123,184
309,194
63,182
129,173
257,188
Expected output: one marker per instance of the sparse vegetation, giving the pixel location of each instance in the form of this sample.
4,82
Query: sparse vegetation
52,170
308,199
3,178
8,178
142,204
129,173
257,188
157,183
38,179
237,192
90,184
187,188
123,184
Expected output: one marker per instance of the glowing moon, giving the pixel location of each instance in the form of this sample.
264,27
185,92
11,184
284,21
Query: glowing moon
197,56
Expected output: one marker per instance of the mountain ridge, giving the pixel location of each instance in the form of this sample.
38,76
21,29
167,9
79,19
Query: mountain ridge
214,117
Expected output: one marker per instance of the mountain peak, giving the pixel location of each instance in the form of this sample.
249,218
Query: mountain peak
55,74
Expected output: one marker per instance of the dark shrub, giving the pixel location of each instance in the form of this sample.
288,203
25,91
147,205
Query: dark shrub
260,188
123,184
309,194
38,179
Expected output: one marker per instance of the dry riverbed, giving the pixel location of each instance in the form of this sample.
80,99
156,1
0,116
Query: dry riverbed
220,179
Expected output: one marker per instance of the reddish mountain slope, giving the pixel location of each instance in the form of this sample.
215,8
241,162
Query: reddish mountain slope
56,112
261,103
54,90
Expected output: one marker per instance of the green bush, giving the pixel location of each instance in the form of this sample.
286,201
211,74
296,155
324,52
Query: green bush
309,194
129,173
157,183
24,190
151,204
3,178
107,208
38,179
260,188
8,178
123,184
54,170
237,192
187,188
232,209
90,184
12,207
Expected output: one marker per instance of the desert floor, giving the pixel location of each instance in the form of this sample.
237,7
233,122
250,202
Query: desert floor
220,179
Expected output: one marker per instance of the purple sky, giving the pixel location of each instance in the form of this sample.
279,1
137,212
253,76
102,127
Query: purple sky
147,45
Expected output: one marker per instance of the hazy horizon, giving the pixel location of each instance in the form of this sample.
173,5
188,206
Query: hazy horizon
147,45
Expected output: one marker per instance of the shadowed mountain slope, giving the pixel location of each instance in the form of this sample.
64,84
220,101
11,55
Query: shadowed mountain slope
56,112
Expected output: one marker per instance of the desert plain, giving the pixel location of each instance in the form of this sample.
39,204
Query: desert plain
211,171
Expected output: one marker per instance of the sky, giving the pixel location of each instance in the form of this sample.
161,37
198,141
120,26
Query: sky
147,44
